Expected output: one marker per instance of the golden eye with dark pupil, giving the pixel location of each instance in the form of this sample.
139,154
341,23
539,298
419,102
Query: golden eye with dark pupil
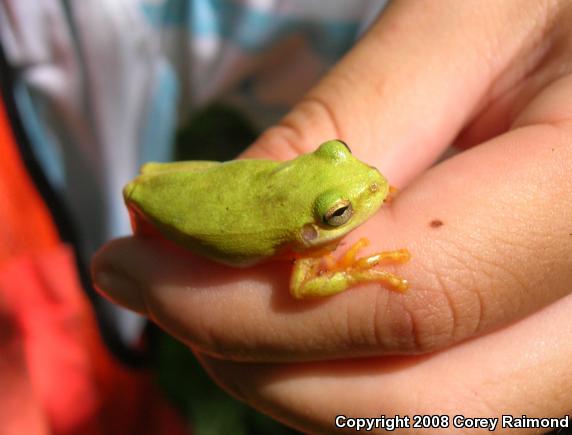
339,214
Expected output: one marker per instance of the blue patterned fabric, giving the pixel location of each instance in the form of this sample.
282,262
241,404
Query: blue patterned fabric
103,84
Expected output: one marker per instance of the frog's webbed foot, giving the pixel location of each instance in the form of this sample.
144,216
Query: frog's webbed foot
393,191
325,276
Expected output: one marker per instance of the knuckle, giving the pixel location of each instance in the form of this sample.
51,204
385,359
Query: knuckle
222,343
446,308
311,122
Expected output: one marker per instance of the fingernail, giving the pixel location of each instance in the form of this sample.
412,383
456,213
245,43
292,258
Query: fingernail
120,289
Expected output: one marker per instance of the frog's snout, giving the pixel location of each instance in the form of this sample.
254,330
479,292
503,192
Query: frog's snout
129,189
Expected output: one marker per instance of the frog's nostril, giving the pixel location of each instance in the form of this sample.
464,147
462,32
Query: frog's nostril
374,187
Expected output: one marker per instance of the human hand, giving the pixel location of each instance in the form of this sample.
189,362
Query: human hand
489,230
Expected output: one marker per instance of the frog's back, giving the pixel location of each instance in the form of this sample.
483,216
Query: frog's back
222,210
243,211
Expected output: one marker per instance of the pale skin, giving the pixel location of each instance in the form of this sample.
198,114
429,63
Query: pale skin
265,210
486,330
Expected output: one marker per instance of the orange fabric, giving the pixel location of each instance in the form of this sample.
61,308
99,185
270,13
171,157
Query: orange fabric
25,223
60,377
56,375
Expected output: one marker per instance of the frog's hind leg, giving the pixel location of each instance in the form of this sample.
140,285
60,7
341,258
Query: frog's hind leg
313,277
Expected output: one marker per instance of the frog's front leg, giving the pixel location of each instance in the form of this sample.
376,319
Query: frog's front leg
323,276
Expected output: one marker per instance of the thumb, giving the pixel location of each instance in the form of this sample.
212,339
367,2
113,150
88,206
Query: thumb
409,86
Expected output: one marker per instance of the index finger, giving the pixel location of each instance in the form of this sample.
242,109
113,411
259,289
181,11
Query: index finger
482,257
408,87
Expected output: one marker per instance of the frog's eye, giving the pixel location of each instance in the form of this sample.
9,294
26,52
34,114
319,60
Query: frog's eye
339,213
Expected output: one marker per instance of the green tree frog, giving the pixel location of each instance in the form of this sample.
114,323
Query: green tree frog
243,212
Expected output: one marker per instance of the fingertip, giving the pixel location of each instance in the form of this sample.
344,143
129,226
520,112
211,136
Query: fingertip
111,279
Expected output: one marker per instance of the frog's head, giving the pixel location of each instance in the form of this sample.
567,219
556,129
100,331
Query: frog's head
347,193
